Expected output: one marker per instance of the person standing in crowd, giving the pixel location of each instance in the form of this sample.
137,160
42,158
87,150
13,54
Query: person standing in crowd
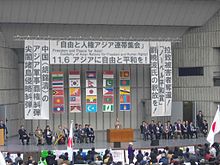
8,158
199,120
3,126
18,159
139,156
131,153
23,135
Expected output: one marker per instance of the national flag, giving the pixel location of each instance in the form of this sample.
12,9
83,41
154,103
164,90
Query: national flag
74,83
108,74
58,100
108,83
124,74
124,82
70,140
125,98
91,91
124,90
215,127
57,78
125,107
91,99
108,107
108,99
58,108
74,73
75,99
57,92
91,108
91,83
74,91
57,84
75,108
107,91
2,159
91,74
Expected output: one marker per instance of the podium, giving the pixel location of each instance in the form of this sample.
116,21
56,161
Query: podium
2,137
120,135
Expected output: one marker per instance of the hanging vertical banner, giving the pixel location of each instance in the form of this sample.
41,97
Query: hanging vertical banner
36,79
74,91
161,78
125,91
57,79
108,92
91,91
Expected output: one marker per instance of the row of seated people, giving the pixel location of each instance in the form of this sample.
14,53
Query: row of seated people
59,136
183,129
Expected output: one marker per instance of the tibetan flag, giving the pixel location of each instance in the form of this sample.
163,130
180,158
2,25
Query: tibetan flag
108,83
125,107
91,91
108,99
91,74
57,92
91,83
108,91
58,100
75,108
215,127
91,99
74,82
108,107
108,74
91,108
125,74
124,90
74,91
58,108
124,82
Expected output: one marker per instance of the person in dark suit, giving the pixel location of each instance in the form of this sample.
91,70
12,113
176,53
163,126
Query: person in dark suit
146,132
205,128
90,134
199,120
48,135
152,129
23,135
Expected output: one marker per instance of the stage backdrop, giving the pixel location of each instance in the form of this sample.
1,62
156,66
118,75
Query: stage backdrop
36,61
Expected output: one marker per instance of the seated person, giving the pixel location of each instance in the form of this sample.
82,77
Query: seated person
118,124
48,135
205,128
39,135
81,134
23,135
193,130
90,134
60,136
184,129
178,129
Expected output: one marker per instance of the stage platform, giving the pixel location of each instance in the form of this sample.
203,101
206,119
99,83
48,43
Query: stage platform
13,144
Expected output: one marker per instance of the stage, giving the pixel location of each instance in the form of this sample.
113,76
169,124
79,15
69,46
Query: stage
13,144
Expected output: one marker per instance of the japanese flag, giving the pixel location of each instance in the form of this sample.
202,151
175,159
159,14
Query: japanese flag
215,127
70,140
2,159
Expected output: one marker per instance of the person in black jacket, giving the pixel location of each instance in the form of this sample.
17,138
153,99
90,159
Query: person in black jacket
23,135
205,128
48,135
90,134
152,129
139,156
199,120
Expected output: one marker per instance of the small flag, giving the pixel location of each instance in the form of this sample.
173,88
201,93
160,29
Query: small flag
108,74
124,74
215,127
58,100
108,108
91,99
107,91
75,99
91,91
124,90
58,92
91,108
108,99
125,99
124,82
125,107
58,108
74,83
74,91
108,83
75,108
91,74
91,83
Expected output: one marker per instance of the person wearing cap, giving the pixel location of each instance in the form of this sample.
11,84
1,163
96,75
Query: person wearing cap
131,153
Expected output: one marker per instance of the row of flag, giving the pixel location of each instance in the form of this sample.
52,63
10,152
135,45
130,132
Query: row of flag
74,95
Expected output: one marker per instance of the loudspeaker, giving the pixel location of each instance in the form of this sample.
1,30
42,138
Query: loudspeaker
154,142
117,144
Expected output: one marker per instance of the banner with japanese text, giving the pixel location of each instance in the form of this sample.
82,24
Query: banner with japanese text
99,52
125,91
108,91
57,79
36,79
161,78
91,91
74,91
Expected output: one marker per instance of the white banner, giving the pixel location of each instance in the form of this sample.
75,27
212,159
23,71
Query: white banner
36,79
161,78
99,52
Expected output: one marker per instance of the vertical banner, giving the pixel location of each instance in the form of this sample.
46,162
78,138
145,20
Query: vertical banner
91,91
125,91
108,91
57,79
161,78
74,91
36,79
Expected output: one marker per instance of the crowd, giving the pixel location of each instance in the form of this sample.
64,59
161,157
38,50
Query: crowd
182,129
80,134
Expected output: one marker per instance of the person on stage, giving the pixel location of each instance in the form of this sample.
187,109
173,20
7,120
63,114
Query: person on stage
39,135
23,135
199,120
90,134
60,137
48,135
205,128
118,124
3,126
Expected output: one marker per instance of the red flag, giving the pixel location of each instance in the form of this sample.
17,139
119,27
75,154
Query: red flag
70,141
